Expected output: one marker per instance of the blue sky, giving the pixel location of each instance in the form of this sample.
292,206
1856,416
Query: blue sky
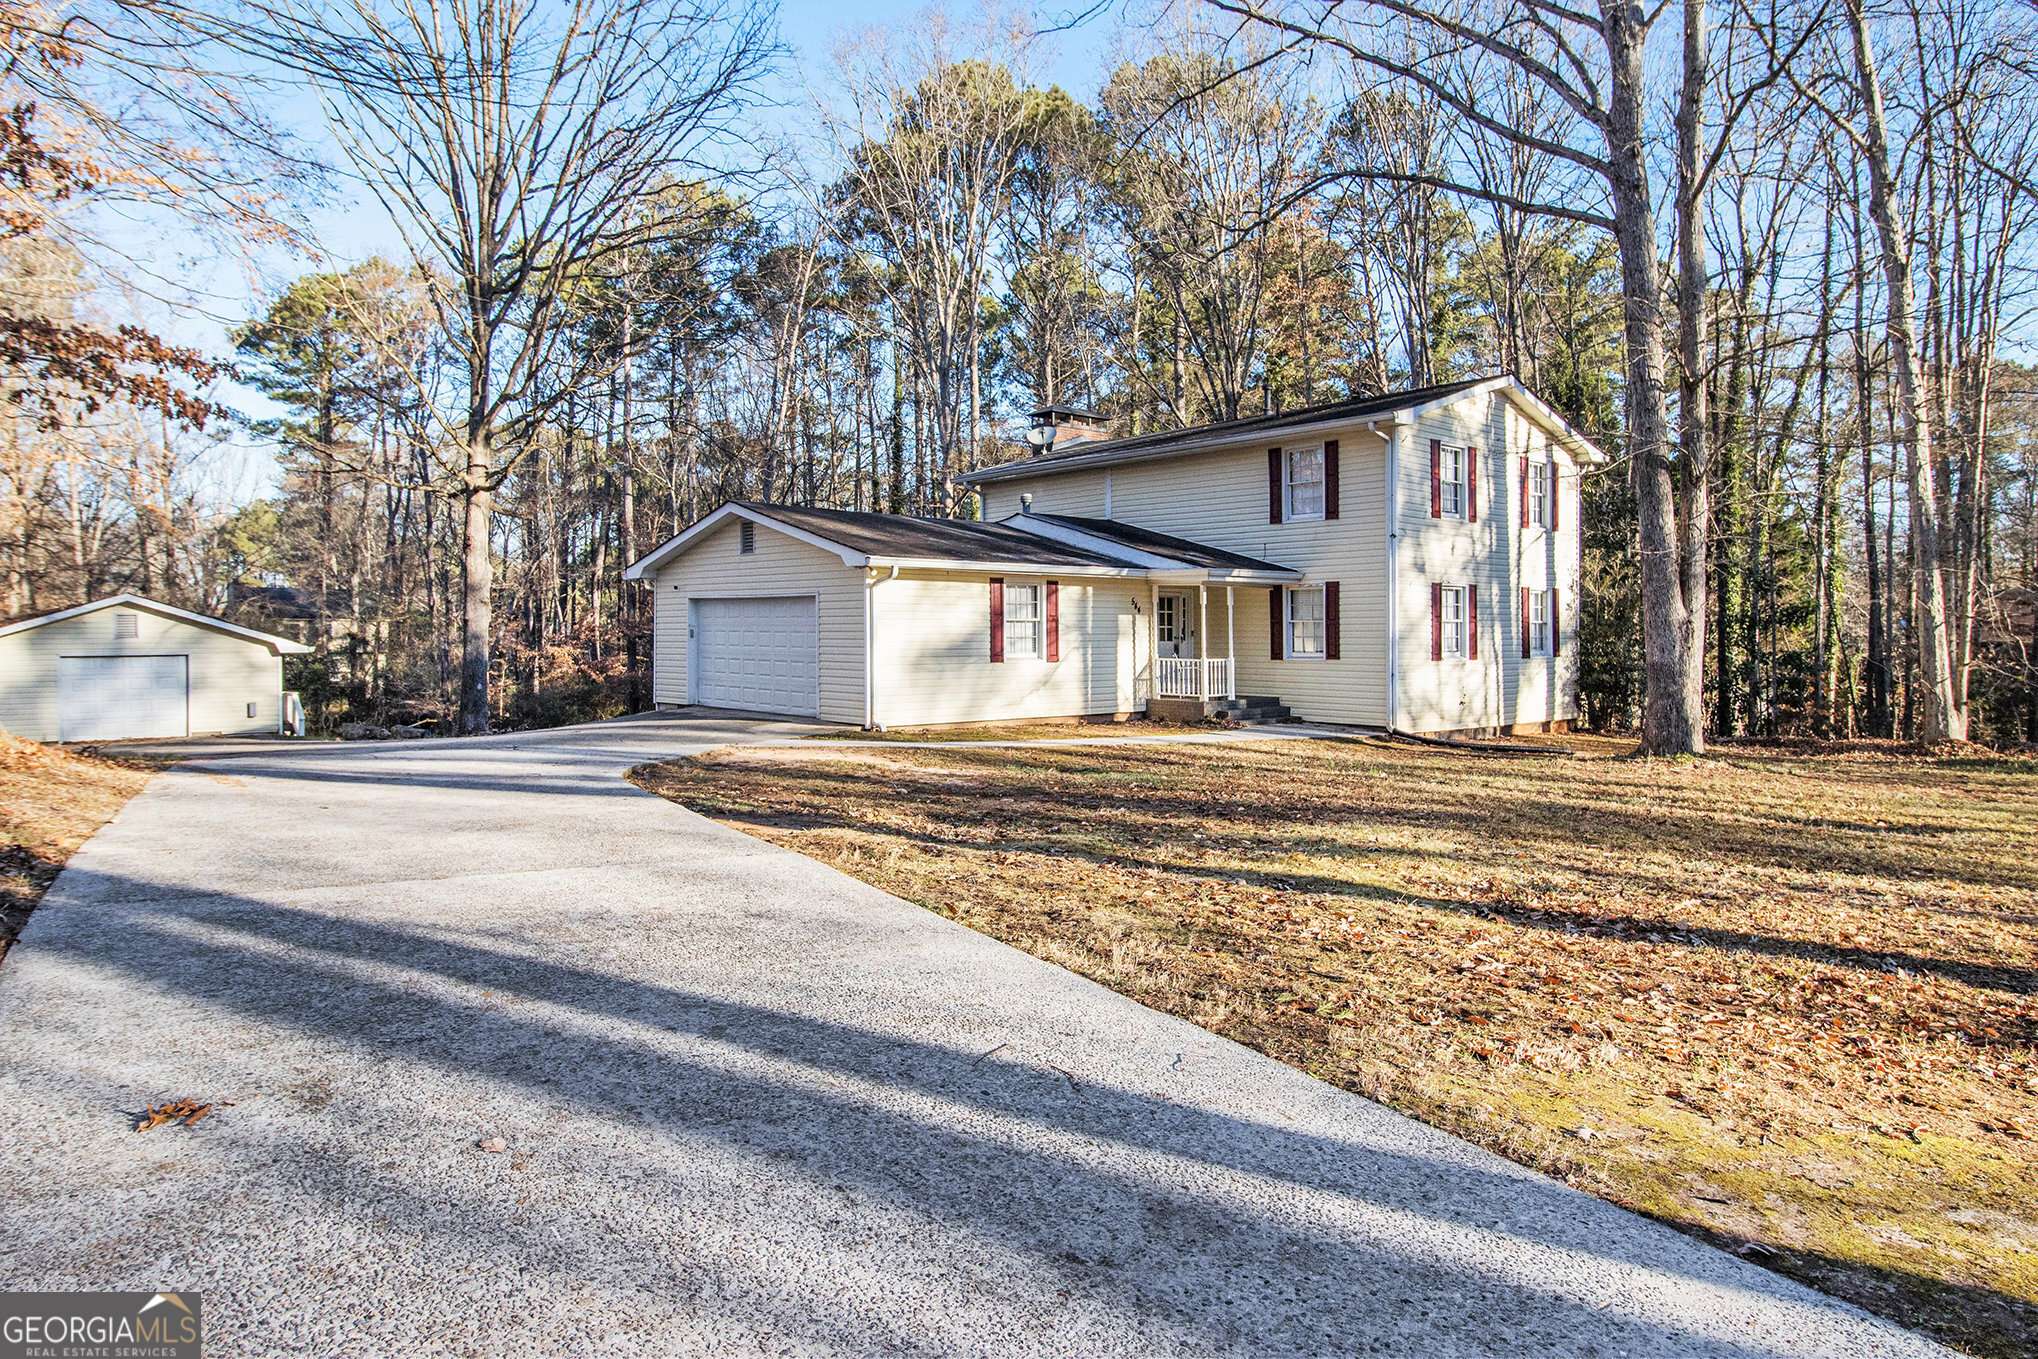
204,294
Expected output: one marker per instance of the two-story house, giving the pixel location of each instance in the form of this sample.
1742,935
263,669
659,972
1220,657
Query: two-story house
1406,561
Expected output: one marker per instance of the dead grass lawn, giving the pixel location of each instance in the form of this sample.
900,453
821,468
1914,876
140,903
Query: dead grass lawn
51,801
1786,1001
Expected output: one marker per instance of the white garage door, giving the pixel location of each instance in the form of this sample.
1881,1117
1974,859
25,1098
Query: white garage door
111,698
758,654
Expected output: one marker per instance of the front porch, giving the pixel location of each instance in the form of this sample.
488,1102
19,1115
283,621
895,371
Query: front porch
1190,684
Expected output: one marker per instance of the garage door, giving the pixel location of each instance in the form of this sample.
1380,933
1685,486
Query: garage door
762,655
111,698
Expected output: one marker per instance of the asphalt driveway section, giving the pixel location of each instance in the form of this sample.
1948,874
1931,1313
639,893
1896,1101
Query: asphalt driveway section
751,1106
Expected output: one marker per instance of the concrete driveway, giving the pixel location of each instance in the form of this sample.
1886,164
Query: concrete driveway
752,1107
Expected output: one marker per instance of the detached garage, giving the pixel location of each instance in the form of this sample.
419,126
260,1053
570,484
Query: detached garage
127,668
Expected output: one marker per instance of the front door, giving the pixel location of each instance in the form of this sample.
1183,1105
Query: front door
1175,628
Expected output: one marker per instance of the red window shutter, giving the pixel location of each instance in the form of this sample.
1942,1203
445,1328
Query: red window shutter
1054,620
1556,494
1273,486
1436,478
1556,621
1524,622
1276,622
1471,484
1330,624
1330,478
997,618
1524,495
1472,622
1436,621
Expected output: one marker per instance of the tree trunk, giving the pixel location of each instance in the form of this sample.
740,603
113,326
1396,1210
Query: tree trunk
1673,635
477,567
1941,714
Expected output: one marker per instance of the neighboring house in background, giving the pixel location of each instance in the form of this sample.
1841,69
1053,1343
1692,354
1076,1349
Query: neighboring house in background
1405,561
126,667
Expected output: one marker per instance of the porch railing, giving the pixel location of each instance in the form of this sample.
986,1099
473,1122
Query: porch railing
1193,676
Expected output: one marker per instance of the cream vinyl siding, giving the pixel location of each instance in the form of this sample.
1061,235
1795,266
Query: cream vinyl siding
226,673
1497,556
1078,493
1543,688
1220,499
933,651
712,568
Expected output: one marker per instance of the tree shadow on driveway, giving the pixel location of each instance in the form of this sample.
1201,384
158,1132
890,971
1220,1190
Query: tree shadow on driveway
1207,1230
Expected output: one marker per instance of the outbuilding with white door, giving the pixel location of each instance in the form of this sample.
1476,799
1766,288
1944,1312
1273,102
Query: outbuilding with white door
130,668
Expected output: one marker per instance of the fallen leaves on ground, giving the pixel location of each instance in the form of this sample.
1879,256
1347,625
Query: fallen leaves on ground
185,1111
51,802
1785,999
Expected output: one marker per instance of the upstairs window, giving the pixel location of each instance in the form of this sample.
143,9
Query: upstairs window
1304,483
1539,494
1305,623
1022,621
746,537
1451,481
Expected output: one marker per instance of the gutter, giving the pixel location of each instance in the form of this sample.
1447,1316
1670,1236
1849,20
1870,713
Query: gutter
1013,564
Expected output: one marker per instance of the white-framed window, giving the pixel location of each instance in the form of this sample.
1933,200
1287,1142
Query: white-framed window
1168,617
1451,480
1305,622
1451,618
1022,622
1303,483
1539,622
746,537
1539,494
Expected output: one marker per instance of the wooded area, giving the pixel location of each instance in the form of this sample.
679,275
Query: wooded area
1776,257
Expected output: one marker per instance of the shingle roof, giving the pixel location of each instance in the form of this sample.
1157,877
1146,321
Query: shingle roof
1106,450
1162,544
961,540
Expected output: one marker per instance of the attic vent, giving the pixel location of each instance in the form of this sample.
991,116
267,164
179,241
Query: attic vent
125,625
746,537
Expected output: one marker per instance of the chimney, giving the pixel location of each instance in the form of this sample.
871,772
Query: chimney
1065,427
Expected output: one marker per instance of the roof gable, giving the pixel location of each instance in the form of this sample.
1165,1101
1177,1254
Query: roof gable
1020,543
861,539
282,646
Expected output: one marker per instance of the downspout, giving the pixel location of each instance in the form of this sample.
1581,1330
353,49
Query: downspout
1402,420
870,580
1393,512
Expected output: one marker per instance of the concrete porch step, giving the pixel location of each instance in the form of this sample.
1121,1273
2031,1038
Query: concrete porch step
1248,709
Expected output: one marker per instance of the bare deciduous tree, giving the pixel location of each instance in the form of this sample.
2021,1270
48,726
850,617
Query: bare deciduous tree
519,148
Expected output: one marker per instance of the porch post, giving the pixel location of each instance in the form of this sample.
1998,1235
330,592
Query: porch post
1153,640
1231,641
1202,641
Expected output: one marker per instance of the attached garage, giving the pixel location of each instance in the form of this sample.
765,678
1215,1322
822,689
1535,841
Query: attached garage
880,620
130,668
760,654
